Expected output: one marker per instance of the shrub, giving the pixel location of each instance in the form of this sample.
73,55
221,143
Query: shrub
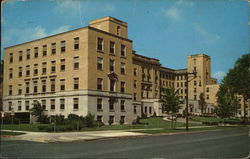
121,122
43,119
89,120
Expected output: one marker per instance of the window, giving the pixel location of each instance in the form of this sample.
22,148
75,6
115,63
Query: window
62,65
62,104
207,89
122,120
207,97
135,110
181,84
44,68
123,51
27,85
19,105
100,44
122,105
111,119
112,48
134,96
10,106
35,69
111,105
194,90
11,58
53,48
20,72
35,86
112,65
112,85
99,83
44,50
43,104
118,30
99,63
135,72
76,63
76,102
76,83
10,73
28,54
52,85
122,87
63,48
76,43
99,104
19,89
195,97
52,104
10,90
28,70
145,110
177,84
36,52
99,118
20,56
123,68
135,84
195,83
62,84
194,69
27,105
150,110
53,66
43,86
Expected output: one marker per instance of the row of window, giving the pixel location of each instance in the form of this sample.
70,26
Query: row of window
44,50
111,118
112,85
111,105
111,65
44,85
44,106
112,47
44,68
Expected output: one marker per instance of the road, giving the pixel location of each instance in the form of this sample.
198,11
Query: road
233,143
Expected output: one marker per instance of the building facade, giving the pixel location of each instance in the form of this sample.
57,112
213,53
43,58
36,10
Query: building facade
95,70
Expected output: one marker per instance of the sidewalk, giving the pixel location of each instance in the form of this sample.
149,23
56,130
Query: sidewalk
46,137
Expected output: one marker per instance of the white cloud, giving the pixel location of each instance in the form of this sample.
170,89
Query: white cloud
173,13
16,36
177,10
109,7
207,38
219,75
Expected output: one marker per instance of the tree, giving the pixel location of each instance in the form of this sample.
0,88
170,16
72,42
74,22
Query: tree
238,79
227,102
37,111
170,103
202,103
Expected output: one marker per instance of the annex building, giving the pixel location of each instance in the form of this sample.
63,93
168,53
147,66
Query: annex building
95,70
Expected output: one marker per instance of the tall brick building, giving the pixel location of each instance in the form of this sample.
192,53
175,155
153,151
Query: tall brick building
95,70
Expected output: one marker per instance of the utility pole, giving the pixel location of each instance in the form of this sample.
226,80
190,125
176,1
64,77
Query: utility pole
188,73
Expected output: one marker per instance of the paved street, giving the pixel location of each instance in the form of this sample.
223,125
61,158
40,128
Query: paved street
233,143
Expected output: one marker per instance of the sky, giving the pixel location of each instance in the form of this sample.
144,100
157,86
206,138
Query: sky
168,30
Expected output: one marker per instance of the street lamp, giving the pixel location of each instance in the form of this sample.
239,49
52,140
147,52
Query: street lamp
186,74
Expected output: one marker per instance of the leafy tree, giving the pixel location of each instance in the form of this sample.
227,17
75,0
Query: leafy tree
238,79
227,102
170,103
90,121
37,111
202,103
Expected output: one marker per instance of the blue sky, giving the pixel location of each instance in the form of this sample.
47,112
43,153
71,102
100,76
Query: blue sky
168,30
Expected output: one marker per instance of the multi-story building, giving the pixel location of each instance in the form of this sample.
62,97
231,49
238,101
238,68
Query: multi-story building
95,70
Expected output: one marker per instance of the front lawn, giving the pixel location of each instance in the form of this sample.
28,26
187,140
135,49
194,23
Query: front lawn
8,133
22,127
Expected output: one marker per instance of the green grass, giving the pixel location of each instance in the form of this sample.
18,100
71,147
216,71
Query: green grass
11,133
22,127
211,119
166,131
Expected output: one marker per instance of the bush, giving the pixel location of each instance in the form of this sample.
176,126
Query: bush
136,121
43,119
99,123
9,120
121,122
90,122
